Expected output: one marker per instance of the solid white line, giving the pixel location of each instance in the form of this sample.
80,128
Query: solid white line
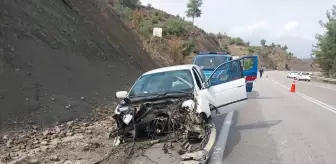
323,105
218,151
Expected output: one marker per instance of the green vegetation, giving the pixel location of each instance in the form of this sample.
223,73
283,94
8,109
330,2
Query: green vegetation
238,41
263,42
285,47
193,9
325,49
247,64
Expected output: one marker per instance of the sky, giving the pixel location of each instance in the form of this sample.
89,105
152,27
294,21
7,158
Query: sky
291,22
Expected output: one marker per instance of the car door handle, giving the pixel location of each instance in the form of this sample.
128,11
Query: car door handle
240,86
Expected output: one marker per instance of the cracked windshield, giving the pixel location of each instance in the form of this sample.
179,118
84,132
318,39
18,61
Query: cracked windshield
167,82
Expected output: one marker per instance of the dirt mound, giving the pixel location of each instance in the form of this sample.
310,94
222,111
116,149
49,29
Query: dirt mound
59,59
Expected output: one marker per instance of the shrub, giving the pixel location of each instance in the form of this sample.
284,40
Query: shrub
225,48
137,17
174,48
131,3
156,13
127,12
188,47
232,41
155,20
146,28
175,27
239,41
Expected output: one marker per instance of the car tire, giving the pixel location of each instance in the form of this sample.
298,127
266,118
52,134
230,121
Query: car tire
204,117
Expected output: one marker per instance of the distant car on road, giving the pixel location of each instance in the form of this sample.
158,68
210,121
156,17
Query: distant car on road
292,74
305,76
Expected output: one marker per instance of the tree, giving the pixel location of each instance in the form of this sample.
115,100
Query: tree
193,9
263,42
285,47
251,50
248,43
130,3
226,48
325,51
273,45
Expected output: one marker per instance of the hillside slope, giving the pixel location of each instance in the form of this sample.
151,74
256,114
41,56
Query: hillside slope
58,60
181,40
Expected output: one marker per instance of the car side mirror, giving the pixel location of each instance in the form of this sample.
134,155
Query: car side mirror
206,84
121,94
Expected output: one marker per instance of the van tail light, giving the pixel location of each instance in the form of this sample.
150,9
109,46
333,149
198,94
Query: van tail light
250,78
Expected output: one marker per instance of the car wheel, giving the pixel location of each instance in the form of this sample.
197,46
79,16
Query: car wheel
204,117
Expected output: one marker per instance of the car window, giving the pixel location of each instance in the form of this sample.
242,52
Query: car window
210,62
305,73
247,63
201,74
227,72
156,83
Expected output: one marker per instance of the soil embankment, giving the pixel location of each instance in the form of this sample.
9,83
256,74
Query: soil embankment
60,59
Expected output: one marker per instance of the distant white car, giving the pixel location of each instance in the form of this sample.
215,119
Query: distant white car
303,76
292,74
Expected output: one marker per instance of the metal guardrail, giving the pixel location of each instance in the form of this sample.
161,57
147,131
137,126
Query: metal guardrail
323,79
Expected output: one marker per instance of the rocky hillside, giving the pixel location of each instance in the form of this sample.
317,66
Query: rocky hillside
181,40
60,59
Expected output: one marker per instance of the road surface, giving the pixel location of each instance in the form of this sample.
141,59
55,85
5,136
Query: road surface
283,127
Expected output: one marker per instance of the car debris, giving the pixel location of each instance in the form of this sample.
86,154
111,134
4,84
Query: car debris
164,111
163,119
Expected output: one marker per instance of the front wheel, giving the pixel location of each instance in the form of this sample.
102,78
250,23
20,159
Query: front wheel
204,117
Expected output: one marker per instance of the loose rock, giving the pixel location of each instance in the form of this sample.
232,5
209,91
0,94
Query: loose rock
54,158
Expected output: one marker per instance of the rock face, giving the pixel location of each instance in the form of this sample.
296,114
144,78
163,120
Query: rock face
58,59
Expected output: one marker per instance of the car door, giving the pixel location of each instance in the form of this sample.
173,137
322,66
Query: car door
250,67
225,88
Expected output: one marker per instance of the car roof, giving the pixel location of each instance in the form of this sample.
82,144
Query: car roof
203,55
171,68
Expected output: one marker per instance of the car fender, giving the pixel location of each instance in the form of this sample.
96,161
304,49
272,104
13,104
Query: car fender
203,105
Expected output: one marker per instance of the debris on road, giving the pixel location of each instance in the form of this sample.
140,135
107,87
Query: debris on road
92,141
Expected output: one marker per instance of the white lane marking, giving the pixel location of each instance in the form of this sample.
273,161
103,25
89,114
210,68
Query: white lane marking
280,84
218,153
323,105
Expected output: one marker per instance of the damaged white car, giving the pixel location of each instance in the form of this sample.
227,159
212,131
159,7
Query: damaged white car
177,103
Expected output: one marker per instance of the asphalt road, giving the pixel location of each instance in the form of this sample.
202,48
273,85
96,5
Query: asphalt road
283,127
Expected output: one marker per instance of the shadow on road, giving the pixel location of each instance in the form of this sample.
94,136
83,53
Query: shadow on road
265,97
255,95
235,131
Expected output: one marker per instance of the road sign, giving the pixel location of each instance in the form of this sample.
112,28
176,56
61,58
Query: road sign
157,32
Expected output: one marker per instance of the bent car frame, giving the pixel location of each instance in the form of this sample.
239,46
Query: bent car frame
177,102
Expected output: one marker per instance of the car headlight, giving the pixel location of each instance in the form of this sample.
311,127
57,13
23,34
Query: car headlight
189,104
